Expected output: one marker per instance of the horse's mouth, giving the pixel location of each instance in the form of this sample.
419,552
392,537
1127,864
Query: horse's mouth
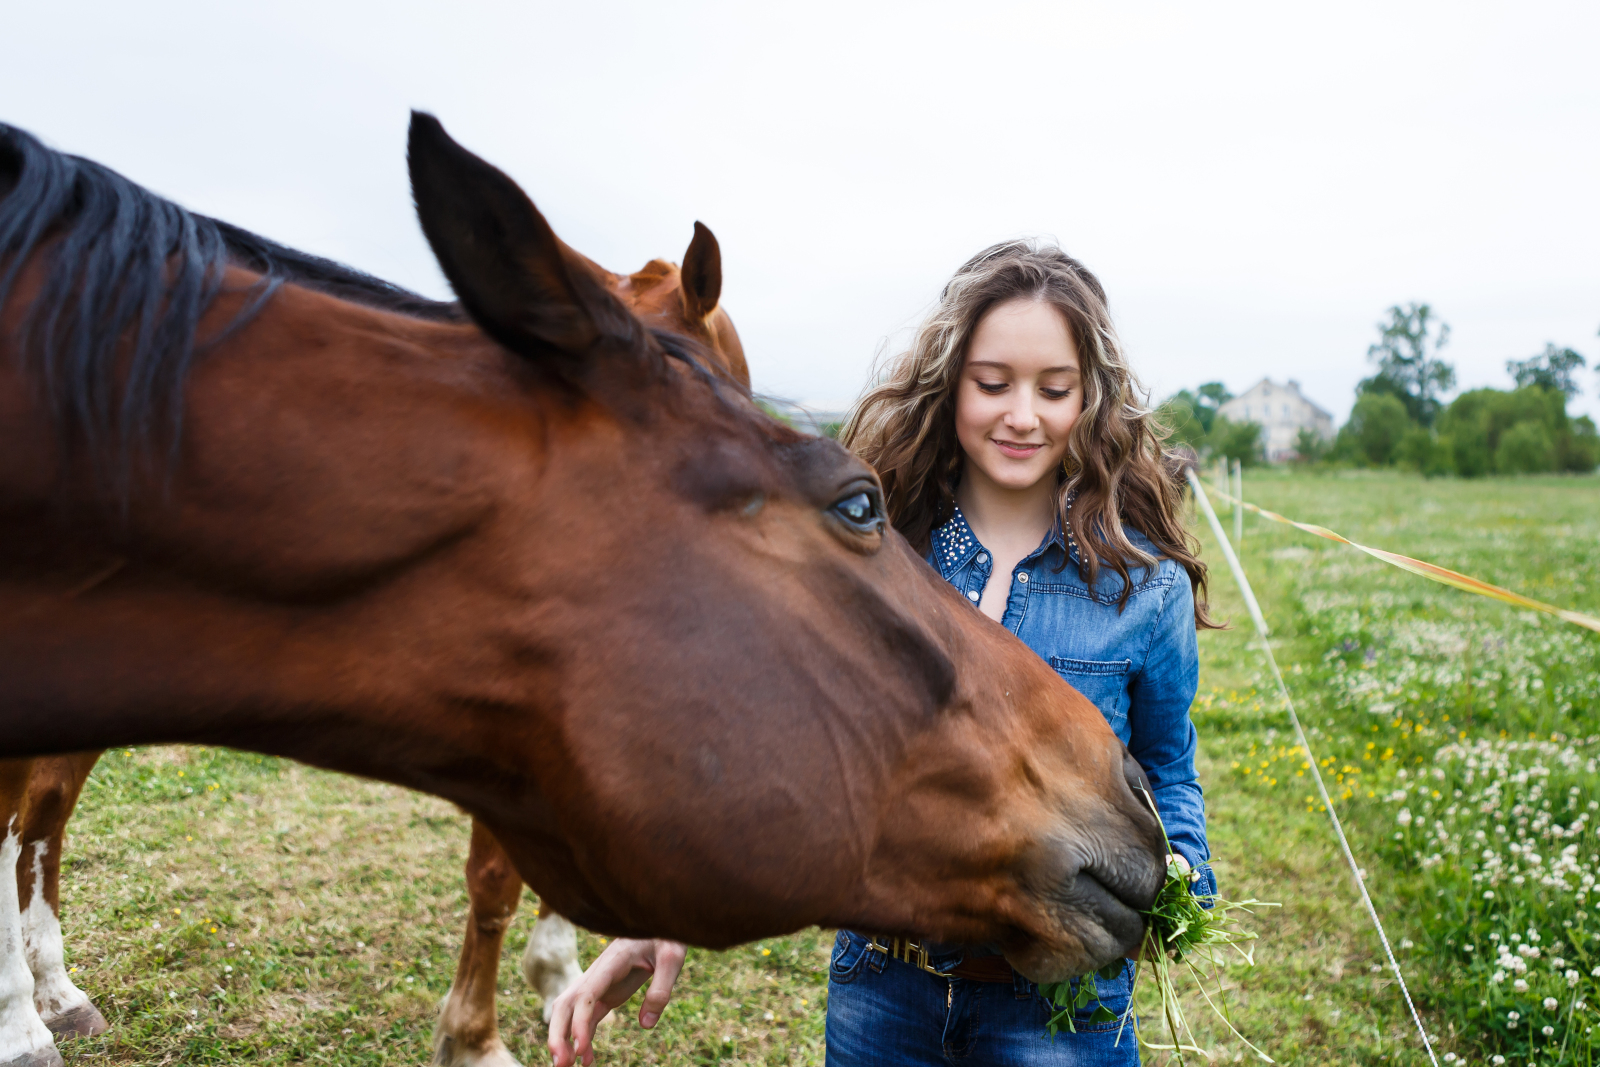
1100,926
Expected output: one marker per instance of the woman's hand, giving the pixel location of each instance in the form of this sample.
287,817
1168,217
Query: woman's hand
613,977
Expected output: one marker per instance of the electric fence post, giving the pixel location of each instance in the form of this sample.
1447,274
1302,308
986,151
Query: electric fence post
1238,509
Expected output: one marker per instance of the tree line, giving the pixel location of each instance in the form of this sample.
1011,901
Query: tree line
1400,418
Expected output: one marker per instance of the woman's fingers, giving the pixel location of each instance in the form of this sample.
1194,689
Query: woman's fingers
560,1039
669,962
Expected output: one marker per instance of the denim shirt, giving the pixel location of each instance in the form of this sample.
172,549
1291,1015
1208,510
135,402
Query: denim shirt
1139,666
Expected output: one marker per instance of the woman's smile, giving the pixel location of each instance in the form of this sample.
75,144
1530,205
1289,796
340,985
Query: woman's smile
1016,449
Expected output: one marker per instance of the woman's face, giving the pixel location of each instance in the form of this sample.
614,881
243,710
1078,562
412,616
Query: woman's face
1019,394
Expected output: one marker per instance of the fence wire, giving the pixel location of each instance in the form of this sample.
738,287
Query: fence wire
1305,746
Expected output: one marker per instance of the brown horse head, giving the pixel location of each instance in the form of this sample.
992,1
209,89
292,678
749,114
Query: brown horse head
684,300
542,559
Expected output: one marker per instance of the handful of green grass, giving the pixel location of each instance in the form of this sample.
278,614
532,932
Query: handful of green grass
1181,930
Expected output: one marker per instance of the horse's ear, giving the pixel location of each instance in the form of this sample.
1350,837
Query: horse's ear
701,274
500,255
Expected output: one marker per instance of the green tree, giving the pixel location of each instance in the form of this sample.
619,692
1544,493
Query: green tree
1377,424
1409,367
1526,448
1479,421
1423,450
1551,369
1578,449
1191,415
1309,447
1235,440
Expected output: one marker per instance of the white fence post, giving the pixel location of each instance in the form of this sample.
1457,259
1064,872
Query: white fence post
1238,509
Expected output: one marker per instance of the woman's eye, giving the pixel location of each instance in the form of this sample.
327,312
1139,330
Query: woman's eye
1056,394
859,510
992,388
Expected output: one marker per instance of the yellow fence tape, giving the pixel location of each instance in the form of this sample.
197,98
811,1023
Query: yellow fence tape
1428,570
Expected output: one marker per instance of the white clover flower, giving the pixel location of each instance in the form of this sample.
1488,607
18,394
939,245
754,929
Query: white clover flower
1498,1060
1551,1004
1558,963
1520,985
1498,977
1572,979
1548,1031
1513,1015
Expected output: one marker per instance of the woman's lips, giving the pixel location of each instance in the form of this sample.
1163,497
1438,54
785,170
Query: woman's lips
1015,450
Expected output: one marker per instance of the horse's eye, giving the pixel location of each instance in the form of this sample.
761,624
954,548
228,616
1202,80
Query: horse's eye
860,510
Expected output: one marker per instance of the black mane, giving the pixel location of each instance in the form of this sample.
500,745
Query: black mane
110,337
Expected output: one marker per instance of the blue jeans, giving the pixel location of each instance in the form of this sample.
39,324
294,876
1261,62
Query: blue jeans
883,1012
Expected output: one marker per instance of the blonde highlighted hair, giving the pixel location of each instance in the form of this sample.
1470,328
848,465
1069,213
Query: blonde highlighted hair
1118,472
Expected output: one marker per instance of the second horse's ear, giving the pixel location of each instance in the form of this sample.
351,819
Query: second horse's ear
500,255
701,274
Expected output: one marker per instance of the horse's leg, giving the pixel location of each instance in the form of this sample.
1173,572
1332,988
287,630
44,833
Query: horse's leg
467,1034
52,794
25,1041
550,962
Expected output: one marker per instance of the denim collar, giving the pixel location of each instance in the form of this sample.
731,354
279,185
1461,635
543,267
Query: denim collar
954,543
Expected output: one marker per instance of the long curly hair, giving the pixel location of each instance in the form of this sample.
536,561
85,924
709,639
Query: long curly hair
1118,472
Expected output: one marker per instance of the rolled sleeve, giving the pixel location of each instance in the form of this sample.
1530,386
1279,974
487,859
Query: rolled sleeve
1162,737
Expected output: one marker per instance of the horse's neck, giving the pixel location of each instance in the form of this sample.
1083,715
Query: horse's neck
257,591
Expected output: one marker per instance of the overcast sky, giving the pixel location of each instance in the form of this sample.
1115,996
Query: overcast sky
1255,183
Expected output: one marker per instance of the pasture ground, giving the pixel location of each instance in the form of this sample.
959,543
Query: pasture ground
226,908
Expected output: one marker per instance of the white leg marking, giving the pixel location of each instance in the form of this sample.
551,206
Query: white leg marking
53,991
550,962
23,1035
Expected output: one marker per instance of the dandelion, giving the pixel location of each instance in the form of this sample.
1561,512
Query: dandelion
766,952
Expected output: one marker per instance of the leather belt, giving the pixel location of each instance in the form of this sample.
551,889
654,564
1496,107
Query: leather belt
993,969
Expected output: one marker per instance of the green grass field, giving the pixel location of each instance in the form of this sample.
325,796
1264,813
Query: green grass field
222,908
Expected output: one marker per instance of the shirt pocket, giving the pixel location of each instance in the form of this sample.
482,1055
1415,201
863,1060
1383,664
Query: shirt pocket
1104,682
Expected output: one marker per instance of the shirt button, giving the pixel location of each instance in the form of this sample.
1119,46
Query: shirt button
1023,578
983,557
973,596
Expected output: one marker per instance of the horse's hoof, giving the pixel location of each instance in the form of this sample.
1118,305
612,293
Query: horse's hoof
45,1057
83,1021
448,1052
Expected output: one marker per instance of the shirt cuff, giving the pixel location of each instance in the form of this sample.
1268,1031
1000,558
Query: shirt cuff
1206,884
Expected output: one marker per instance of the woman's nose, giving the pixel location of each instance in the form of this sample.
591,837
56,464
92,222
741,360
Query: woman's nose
1021,417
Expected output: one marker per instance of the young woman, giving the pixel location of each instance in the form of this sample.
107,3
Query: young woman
1016,453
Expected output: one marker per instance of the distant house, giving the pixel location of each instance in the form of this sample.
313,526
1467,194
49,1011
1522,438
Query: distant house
1282,412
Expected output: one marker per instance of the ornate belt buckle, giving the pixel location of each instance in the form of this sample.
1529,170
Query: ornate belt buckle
913,953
